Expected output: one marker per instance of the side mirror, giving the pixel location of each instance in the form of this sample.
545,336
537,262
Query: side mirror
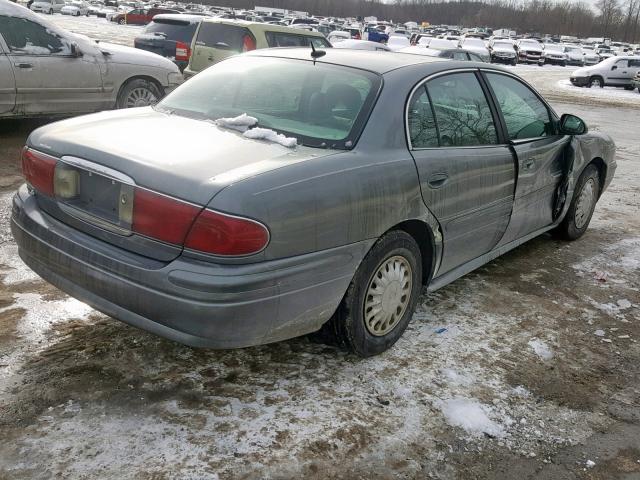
75,50
572,125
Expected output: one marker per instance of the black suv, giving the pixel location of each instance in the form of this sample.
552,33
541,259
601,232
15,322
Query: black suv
170,35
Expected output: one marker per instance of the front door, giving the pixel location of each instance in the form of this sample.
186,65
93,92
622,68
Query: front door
49,79
466,173
7,82
540,153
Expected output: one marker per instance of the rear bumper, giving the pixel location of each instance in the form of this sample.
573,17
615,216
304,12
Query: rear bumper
193,302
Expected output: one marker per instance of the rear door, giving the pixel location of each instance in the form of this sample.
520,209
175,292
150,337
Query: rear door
540,151
7,80
466,169
217,41
619,73
49,79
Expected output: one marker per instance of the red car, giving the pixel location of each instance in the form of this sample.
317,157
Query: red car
139,16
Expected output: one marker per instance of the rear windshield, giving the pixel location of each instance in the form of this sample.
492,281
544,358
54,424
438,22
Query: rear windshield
220,35
177,30
321,105
282,39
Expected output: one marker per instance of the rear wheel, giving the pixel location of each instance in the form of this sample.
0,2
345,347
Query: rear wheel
50,12
138,93
382,296
582,205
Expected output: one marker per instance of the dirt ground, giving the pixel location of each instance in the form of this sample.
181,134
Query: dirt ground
543,342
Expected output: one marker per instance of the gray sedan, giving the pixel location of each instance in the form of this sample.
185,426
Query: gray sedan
286,191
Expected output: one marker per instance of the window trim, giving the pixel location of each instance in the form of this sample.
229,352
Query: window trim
488,96
553,116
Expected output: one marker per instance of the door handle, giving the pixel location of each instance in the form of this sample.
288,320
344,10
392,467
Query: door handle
23,65
528,165
437,180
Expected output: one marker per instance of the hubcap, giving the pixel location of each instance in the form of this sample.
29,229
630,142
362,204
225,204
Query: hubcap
584,204
388,295
596,82
140,97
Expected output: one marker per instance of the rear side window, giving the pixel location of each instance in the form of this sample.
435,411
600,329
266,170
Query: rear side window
24,37
177,30
282,39
422,126
525,115
462,113
219,35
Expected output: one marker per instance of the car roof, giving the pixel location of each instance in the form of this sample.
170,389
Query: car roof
263,27
375,61
191,18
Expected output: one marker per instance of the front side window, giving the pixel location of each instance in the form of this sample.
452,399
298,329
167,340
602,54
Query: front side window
525,115
461,110
321,105
24,37
422,126
622,63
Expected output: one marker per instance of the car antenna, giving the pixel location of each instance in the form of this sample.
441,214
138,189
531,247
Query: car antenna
316,53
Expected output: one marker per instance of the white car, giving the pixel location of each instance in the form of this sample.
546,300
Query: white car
575,55
590,55
47,6
362,45
477,46
75,9
46,70
503,51
338,36
396,42
554,54
611,72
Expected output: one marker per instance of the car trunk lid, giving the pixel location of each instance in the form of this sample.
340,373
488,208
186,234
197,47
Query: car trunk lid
110,154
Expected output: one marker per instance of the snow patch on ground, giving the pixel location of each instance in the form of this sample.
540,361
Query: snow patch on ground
607,92
471,416
541,349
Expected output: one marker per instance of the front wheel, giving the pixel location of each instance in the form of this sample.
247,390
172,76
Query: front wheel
582,205
138,93
382,296
596,82
122,21
50,12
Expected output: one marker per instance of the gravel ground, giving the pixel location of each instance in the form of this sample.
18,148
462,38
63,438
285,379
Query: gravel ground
526,368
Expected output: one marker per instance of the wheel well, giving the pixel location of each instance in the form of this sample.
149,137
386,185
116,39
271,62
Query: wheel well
140,77
423,236
602,170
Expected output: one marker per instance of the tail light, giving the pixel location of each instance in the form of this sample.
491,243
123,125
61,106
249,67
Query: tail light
161,217
248,43
39,169
183,51
222,234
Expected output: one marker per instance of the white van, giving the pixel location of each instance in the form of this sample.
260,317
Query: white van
612,72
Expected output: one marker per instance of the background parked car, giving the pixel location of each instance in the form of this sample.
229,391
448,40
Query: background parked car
575,55
52,71
451,53
396,42
554,54
47,6
477,46
611,72
503,51
362,45
217,39
635,83
170,35
529,51
139,16
338,36
76,9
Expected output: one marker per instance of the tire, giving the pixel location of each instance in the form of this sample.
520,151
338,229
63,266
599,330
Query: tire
577,219
398,250
133,93
563,64
514,62
122,21
50,12
629,87
596,81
